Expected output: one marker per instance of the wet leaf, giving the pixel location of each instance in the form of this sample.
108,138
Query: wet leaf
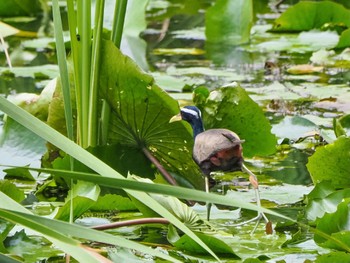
279,194
341,125
217,245
294,127
318,14
30,248
344,40
85,195
331,163
49,71
141,112
324,198
337,225
232,108
336,256
112,202
12,191
229,22
19,8
19,146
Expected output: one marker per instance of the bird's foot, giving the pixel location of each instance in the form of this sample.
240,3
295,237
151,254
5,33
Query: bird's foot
268,227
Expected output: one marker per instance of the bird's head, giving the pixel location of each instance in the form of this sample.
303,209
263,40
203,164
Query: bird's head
193,116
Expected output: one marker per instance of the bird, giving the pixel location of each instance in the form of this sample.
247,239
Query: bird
216,150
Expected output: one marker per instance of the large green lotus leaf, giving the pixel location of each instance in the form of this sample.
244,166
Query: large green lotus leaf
233,109
335,224
141,112
331,163
307,15
229,22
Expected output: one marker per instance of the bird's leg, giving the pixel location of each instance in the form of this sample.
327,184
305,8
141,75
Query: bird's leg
207,191
254,181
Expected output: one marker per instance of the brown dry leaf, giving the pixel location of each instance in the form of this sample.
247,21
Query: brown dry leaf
304,69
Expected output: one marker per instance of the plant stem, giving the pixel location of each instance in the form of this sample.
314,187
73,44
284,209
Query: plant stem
95,61
84,30
64,77
160,167
132,223
118,23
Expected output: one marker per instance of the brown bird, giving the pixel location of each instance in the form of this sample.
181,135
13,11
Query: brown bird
216,150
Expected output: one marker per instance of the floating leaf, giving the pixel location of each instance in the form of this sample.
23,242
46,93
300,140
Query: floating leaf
331,163
233,109
19,146
307,15
217,245
21,173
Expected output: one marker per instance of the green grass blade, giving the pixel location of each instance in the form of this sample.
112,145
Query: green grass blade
75,47
95,62
118,23
57,231
62,63
84,30
177,191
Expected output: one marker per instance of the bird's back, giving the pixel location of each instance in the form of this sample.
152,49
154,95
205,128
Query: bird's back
218,149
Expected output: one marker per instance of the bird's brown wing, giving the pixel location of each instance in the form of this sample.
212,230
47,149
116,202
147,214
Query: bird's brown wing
215,142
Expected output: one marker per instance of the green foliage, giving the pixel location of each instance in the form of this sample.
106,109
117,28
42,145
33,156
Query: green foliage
331,163
217,245
323,15
12,191
61,233
19,8
337,225
232,108
337,256
341,126
83,195
229,22
324,198
141,112
318,14
109,202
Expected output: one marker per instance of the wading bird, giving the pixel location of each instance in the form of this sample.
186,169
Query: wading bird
216,150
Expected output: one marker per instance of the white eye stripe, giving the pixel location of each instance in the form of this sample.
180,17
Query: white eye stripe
192,112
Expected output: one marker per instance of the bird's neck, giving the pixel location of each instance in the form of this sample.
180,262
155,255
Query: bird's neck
197,127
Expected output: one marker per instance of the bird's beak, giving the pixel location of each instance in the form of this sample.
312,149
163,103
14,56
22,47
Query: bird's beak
177,117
